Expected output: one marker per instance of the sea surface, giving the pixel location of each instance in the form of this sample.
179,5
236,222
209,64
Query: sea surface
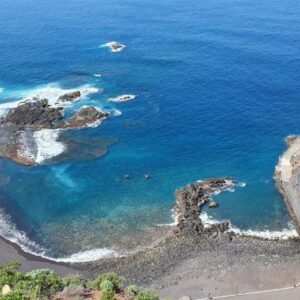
217,87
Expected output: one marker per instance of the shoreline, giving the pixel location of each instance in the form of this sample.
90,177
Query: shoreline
12,251
192,255
287,178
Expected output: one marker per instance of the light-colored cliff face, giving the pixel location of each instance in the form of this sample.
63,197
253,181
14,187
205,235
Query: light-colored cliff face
289,162
287,175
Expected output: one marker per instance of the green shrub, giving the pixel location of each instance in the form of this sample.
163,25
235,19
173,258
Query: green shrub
132,290
147,295
108,295
116,280
10,274
106,285
14,295
74,281
42,283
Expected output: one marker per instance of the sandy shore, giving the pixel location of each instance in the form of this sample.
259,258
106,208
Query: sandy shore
10,251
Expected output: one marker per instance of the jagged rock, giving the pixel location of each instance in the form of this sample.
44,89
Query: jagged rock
34,114
69,97
84,117
191,198
213,204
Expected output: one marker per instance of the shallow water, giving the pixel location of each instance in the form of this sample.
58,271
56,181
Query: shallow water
217,87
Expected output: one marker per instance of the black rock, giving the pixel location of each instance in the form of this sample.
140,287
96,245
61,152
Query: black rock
34,114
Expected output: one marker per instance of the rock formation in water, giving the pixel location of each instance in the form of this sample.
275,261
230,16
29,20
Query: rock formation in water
36,114
84,117
191,198
18,127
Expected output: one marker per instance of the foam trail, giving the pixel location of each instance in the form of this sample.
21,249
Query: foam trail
283,234
9,231
114,46
117,113
123,98
89,255
97,75
50,91
48,145
60,173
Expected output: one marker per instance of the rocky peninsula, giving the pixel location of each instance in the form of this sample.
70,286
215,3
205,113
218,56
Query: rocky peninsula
21,125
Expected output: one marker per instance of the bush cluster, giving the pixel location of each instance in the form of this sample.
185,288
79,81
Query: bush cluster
44,284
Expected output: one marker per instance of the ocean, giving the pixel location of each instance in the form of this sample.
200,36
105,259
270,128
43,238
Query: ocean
217,92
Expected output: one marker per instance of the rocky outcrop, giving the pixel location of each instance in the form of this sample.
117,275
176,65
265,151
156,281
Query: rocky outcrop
69,97
38,114
18,127
213,204
191,198
84,117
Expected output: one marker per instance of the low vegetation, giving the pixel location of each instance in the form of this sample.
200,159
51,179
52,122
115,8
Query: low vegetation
44,284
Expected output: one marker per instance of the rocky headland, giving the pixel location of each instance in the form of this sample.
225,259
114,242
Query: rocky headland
19,127
287,175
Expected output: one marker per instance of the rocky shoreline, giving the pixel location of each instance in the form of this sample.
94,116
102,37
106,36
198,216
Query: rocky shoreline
191,251
18,127
215,248
287,178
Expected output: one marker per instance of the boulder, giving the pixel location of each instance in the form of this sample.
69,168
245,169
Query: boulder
84,117
213,204
69,97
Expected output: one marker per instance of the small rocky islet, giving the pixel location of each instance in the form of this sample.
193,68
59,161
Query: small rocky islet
18,127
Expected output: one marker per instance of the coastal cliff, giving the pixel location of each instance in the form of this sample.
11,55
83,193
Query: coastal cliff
287,176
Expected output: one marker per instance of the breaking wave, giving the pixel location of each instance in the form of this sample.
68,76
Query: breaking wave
283,234
9,231
114,46
50,91
48,145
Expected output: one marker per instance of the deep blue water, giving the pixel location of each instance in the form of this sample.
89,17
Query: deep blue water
217,85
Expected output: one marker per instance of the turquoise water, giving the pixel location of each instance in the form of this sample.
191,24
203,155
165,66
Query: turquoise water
217,87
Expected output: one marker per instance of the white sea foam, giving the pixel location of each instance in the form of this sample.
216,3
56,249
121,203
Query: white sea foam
111,45
97,75
117,113
1,89
9,231
50,91
53,91
122,98
48,145
242,184
285,233
89,255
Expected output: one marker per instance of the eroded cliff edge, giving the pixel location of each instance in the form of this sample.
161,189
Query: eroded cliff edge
287,176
